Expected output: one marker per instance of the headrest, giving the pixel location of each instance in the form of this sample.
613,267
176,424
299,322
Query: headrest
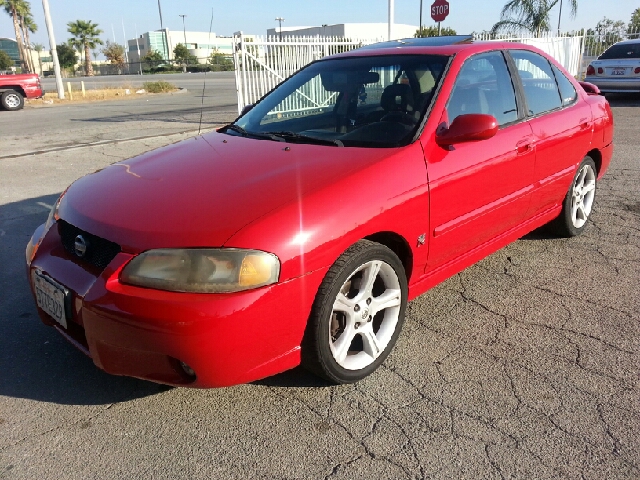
397,97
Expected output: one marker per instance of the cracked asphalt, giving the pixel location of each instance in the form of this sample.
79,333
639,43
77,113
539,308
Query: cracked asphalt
523,366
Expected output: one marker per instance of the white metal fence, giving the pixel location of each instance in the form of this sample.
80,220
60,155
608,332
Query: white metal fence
567,50
261,63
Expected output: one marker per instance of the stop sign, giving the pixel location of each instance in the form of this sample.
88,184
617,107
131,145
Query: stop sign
439,10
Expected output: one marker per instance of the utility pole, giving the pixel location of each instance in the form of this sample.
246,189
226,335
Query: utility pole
165,42
184,30
391,19
54,52
280,20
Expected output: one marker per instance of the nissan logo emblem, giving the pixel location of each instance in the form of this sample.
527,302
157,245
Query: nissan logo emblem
80,246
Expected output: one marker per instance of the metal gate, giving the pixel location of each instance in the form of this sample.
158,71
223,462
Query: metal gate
261,63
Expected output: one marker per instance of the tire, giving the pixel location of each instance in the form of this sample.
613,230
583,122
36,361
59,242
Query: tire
12,100
353,326
578,202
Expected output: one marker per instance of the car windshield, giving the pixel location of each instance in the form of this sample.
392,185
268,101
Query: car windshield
375,101
628,50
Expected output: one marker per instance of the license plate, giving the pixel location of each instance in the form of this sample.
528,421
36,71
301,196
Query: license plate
50,296
617,71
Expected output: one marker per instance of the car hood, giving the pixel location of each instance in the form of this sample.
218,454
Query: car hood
201,191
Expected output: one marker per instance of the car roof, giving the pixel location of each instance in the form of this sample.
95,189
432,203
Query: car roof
448,45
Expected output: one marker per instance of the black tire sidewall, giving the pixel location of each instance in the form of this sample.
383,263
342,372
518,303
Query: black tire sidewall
357,255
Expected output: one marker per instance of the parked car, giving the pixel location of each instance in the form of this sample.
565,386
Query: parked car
617,70
298,233
15,88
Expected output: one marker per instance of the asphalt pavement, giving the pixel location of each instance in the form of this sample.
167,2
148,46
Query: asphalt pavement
525,365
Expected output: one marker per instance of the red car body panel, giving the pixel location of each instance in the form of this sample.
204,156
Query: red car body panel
444,208
26,83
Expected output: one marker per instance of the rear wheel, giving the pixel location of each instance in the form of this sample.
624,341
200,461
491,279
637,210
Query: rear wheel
578,202
11,100
357,315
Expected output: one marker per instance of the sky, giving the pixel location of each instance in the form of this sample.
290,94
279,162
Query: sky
256,16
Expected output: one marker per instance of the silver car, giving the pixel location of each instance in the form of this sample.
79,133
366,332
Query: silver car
617,70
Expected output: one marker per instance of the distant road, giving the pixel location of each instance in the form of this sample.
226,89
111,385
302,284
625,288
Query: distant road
190,81
40,128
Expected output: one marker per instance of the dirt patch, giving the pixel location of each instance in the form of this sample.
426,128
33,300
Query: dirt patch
93,95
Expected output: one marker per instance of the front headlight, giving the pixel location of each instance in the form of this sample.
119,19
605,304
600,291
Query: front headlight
200,270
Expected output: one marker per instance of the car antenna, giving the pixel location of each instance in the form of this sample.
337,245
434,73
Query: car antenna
204,81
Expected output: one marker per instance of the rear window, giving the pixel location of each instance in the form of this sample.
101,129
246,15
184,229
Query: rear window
629,50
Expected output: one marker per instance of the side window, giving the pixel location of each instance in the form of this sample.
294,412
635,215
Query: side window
567,90
484,85
540,88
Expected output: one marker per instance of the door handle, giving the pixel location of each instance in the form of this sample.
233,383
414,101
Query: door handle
524,146
584,123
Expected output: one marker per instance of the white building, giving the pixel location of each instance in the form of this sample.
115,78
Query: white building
366,31
200,44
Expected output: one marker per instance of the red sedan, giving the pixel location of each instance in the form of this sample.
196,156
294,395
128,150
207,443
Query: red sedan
298,233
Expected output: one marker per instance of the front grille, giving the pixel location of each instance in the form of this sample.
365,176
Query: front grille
99,252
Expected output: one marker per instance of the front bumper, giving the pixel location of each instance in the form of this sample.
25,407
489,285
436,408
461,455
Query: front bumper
226,339
615,85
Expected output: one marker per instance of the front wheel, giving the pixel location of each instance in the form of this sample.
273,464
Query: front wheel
11,100
578,202
357,315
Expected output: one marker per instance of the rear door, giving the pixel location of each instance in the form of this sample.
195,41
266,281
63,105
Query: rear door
561,123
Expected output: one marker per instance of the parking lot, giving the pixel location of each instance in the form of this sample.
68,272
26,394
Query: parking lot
525,365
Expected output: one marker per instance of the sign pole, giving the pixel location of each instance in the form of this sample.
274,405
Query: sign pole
439,28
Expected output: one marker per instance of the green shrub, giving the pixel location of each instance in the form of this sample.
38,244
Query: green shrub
158,87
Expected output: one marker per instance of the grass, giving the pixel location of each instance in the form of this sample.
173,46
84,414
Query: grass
110,93
158,87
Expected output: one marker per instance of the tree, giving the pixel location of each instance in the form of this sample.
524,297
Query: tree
432,31
606,33
66,55
218,58
38,47
14,8
530,15
634,24
114,52
5,61
153,59
182,55
27,24
85,38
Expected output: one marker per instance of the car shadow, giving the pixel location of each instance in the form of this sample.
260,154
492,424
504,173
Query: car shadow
623,99
35,361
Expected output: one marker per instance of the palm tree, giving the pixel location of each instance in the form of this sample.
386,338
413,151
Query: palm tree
38,47
531,15
14,9
28,25
85,38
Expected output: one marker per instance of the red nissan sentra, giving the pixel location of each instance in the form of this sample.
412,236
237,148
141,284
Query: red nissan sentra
298,233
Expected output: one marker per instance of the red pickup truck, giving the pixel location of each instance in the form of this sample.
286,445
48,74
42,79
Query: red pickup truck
15,88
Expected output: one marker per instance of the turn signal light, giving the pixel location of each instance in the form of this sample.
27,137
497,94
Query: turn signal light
591,70
637,70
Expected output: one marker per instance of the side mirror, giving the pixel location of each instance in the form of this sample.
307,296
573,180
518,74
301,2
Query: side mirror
590,88
247,108
470,127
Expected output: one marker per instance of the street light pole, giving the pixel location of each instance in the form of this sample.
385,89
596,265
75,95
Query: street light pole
280,20
54,52
184,30
420,16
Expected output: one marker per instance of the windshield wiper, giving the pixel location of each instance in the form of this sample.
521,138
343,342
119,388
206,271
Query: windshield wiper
306,138
267,136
